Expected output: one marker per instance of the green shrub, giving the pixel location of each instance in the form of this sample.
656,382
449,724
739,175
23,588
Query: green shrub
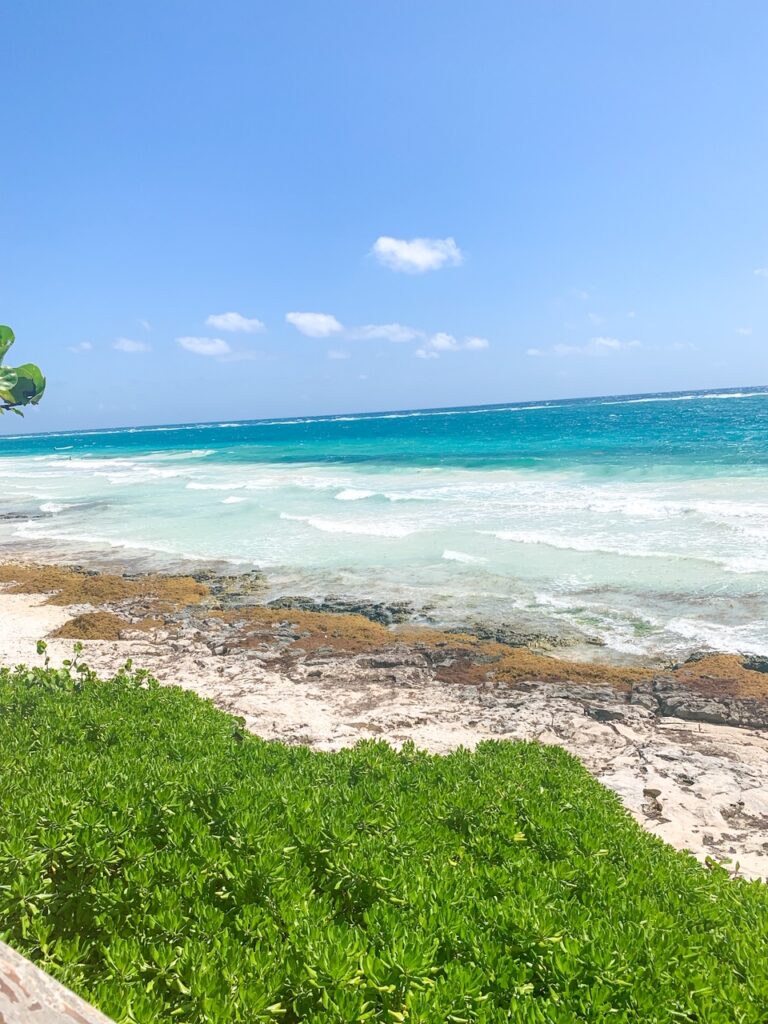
169,867
19,385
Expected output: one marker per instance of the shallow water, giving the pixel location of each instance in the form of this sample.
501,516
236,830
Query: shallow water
642,521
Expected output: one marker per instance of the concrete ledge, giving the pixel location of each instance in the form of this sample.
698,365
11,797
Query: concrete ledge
30,996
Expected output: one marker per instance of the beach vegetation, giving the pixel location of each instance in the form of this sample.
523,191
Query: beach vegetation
19,385
169,866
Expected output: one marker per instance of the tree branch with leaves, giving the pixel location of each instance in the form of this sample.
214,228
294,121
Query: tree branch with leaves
19,385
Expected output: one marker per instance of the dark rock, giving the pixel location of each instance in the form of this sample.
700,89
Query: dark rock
512,636
676,700
755,663
385,613
232,590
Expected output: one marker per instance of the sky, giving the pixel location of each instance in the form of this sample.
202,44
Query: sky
244,209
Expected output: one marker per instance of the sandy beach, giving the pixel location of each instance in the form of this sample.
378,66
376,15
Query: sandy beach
686,751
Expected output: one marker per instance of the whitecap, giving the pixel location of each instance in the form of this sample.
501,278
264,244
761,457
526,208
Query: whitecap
351,494
194,485
461,556
362,529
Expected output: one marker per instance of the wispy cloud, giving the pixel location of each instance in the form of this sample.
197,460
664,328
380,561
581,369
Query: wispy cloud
417,255
761,272
130,345
325,325
81,346
145,324
315,325
746,331
594,347
439,343
235,322
205,346
385,332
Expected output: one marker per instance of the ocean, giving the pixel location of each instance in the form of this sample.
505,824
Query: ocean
638,521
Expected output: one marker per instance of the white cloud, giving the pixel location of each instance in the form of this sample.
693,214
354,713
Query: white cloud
385,332
323,325
442,342
205,346
315,325
235,322
417,255
746,331
145,324
631,314
129,345
580,293
595,318
594,347
761,272
612,343
81,346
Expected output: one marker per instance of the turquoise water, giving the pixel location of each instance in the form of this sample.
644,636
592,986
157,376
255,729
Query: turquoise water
639,520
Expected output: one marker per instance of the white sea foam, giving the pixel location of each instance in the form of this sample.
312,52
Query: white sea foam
53,506
584,545
739,639
232,500
462,556
745,565
351,494
685,398
361,529
196,485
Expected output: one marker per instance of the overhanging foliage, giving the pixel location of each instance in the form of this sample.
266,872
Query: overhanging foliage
19,385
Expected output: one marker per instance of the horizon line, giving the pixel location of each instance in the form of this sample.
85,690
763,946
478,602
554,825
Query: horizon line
436,410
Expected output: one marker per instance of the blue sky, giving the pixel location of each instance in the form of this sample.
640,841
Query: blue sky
589,181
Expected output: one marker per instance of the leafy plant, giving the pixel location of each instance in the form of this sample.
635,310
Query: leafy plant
19,385
168,866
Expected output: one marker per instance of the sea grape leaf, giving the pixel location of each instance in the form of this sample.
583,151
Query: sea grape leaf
19,385
7,338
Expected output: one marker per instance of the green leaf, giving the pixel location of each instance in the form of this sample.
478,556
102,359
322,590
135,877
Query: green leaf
8,380
20,385
7,337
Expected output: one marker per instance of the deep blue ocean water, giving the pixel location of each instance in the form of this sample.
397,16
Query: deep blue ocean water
642,520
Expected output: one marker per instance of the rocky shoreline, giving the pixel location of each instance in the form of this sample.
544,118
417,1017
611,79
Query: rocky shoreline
686,747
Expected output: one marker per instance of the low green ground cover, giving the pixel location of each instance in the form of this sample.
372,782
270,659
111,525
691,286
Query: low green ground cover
169,867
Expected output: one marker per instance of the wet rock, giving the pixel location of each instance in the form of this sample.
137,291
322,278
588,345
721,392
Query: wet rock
385,613
231,591
755,662
512,636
